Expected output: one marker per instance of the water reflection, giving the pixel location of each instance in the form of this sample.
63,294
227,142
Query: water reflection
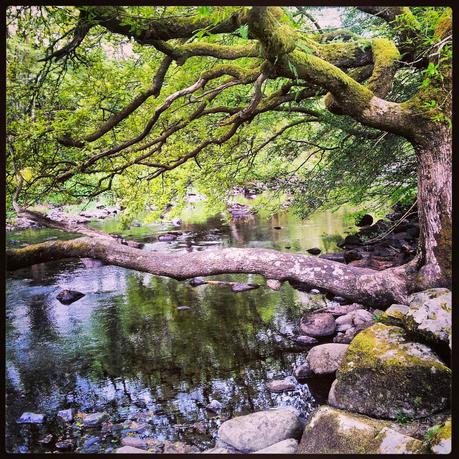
126,349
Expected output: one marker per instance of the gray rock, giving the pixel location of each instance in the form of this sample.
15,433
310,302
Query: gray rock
394,314
31,418
305,339
326,358
303,371
214,406
274,284
135,442
261,429
66,415
130,450
430,315
94,419
392,442
239,287
288,446
318,324
281,385
385,375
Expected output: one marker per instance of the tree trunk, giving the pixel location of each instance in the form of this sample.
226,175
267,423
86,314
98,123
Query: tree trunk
378,288
434,155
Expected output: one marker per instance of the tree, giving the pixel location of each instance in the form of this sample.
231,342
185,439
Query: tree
219,52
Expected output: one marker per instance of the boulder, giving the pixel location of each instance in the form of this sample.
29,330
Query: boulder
261,429
66,415
214,406
288,446
429,315
274,284
281,385
383,374
305,340
332,431
326,358
69,296
303,371
318,324
31,418
440,438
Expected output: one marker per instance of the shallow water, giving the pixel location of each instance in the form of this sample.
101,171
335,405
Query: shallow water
124,348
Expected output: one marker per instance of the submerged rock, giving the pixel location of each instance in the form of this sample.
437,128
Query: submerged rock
94,419
261,429
318,324
281,385
385,375
326,358
243,287
31,418
69,296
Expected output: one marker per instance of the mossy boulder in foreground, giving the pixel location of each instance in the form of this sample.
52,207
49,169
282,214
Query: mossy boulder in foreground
386,376
333,431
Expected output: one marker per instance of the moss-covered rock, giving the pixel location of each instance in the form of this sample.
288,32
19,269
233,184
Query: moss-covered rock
394,314
439,438
429,315
385,375
333,431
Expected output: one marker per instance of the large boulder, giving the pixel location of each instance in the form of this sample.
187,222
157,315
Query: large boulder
383,374
326,358
261,429
318,324
332,431
429,315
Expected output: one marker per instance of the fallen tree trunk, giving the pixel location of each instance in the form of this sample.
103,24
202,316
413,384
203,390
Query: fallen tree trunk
378,288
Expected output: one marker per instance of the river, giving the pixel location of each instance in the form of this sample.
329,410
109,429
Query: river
125,348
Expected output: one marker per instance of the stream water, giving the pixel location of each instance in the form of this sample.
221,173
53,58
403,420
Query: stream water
125,348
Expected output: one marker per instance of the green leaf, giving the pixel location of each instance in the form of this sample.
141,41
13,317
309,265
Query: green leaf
243,31
304,48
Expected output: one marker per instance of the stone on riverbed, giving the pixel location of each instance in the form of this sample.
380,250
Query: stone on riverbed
318,324
69,296
239,287
66,415
326,358
288,446
94,419
281,385
261,429
385,375
31,418
430,315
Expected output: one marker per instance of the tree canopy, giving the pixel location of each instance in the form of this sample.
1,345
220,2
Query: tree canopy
142,103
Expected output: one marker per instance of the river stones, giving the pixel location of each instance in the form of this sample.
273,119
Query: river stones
326,358
281,385
66,415
94,419
332,431
303,371
288,446
69,296
318,324
429,315
31,418
385,375
261,429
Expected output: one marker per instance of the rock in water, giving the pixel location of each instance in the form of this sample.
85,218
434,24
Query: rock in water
243,287
281,385
318,324
385,375
261,429
326,358
69,296
31,418
94,419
